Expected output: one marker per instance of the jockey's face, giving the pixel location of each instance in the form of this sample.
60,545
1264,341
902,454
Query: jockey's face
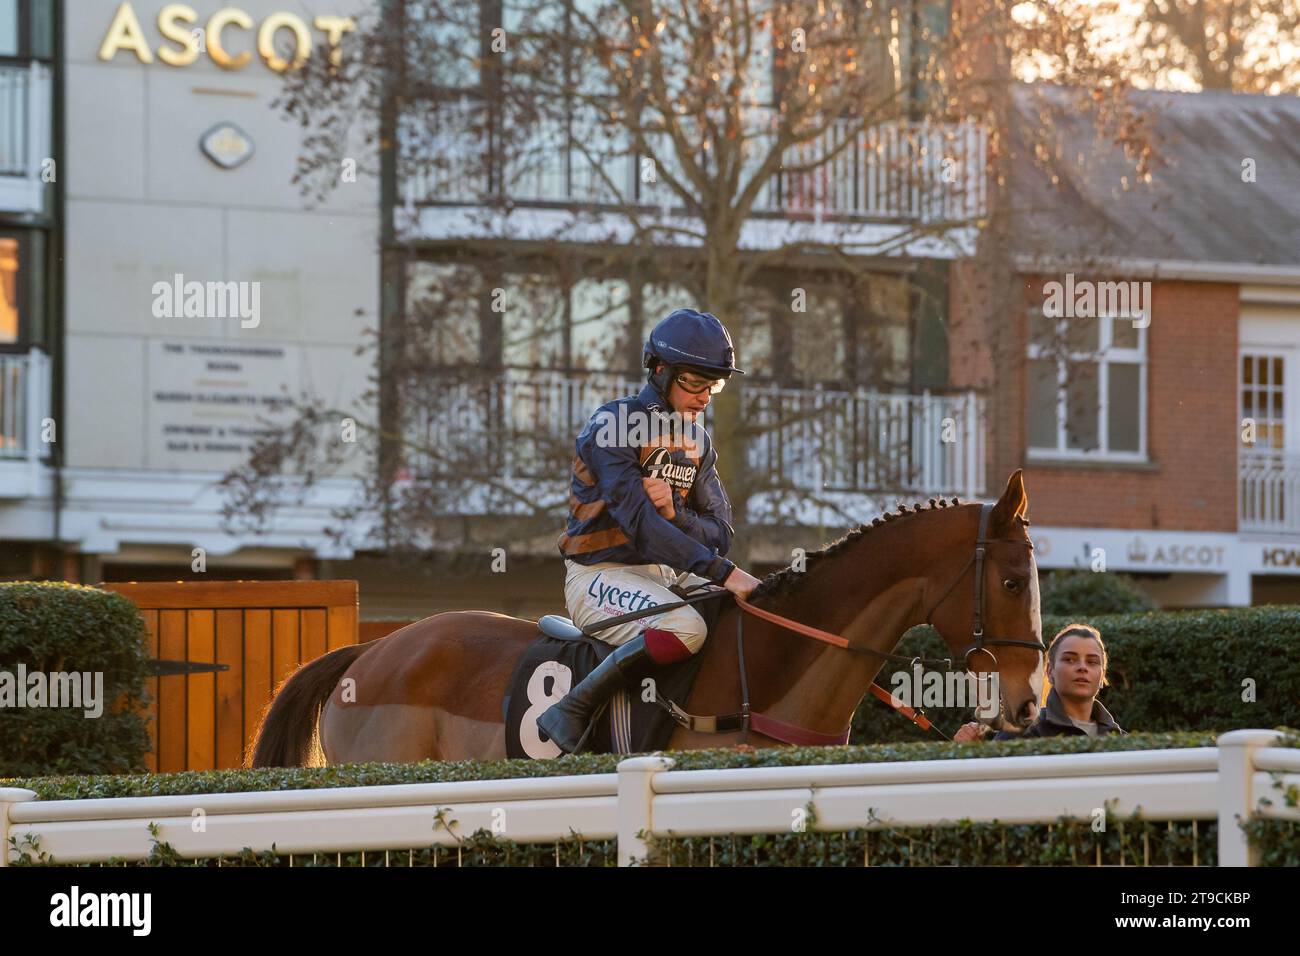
686,403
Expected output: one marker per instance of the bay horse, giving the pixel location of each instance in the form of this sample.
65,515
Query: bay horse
433,689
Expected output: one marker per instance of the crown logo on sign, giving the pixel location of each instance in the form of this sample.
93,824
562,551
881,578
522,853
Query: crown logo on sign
1137,551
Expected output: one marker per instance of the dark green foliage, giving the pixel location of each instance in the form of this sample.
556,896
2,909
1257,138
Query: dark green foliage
1131,842
58,627
1071,843
1169,671
430,771
1074,593
1278,840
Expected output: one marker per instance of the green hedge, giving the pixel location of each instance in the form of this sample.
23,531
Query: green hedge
1169,671
432,771
1124,842
1128,842
56,627
1073,593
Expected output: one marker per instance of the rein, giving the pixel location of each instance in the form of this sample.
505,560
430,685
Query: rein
788,733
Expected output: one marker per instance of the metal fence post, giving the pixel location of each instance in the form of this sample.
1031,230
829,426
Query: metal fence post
1236,797
635,813
8,797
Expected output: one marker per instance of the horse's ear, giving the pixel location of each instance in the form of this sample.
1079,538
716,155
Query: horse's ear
1013,504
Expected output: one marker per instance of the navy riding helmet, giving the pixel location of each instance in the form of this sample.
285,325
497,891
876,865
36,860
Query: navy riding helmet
690,339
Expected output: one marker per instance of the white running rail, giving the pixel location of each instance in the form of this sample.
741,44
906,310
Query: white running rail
645,797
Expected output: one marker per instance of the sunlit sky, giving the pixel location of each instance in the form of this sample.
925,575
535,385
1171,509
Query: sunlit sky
1118,22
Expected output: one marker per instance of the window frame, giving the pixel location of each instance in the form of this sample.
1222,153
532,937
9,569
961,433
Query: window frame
25,27
27,327
1105,354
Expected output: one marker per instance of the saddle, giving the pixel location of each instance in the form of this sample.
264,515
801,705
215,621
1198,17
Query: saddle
637,719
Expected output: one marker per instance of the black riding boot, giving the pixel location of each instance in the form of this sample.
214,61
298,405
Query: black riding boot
566,721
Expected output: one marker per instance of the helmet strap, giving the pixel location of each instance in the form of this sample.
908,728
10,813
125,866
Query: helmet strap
662,380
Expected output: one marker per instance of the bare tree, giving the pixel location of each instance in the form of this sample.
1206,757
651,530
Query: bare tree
705,144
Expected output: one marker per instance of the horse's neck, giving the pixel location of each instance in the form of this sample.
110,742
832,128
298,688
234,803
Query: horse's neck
873,590
886,592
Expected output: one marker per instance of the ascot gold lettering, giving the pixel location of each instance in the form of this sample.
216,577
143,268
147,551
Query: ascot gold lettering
266,41
169,25
216,49
125,33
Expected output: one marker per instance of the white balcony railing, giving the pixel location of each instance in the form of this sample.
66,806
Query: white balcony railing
1269,491
821,440
24,403
25,111
521,424
923,172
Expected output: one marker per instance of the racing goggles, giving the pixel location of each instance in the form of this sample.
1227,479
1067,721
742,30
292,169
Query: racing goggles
693,384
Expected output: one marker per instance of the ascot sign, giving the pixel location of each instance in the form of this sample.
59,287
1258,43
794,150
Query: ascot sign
175,23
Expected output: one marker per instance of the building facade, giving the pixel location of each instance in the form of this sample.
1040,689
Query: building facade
164,283
30,250
172,284
1156,430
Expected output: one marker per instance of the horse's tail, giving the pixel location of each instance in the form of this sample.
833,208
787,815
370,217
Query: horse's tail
287,735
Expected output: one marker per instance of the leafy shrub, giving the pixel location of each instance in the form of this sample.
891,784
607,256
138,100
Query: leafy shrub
53,627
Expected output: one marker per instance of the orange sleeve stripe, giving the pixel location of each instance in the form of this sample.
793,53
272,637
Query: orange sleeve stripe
596,541
584,512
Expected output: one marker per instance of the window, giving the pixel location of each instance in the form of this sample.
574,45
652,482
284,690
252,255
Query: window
9,310
817,339
443,301
9,45
659,300
881,315
1087,388
26,29
1263,397
22,289
532,311
599,323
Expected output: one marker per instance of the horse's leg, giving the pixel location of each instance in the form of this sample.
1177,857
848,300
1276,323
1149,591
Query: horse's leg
431,691
407,732
387,732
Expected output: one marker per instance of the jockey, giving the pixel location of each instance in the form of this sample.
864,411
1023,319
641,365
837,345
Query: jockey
647,511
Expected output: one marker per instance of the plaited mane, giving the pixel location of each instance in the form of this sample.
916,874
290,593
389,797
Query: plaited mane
786,580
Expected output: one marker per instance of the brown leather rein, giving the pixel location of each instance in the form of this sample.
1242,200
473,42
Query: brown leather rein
788,733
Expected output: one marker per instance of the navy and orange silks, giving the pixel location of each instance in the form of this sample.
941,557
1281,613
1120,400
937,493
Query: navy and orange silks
611,518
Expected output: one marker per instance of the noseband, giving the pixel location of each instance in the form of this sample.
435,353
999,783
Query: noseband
979,642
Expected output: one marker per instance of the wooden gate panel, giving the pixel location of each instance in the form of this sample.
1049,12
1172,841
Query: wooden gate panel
262,631
151,685
257,666
314,633
200,692
285,652
342,626
172,728
230,688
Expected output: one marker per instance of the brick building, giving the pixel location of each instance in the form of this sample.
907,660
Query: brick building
923,376
1163,445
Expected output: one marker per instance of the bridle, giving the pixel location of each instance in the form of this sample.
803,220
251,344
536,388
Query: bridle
979,642
790,734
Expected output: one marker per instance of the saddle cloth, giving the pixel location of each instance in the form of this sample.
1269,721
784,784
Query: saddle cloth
630,722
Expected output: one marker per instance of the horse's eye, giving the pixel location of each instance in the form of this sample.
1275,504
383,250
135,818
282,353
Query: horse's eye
1012,585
